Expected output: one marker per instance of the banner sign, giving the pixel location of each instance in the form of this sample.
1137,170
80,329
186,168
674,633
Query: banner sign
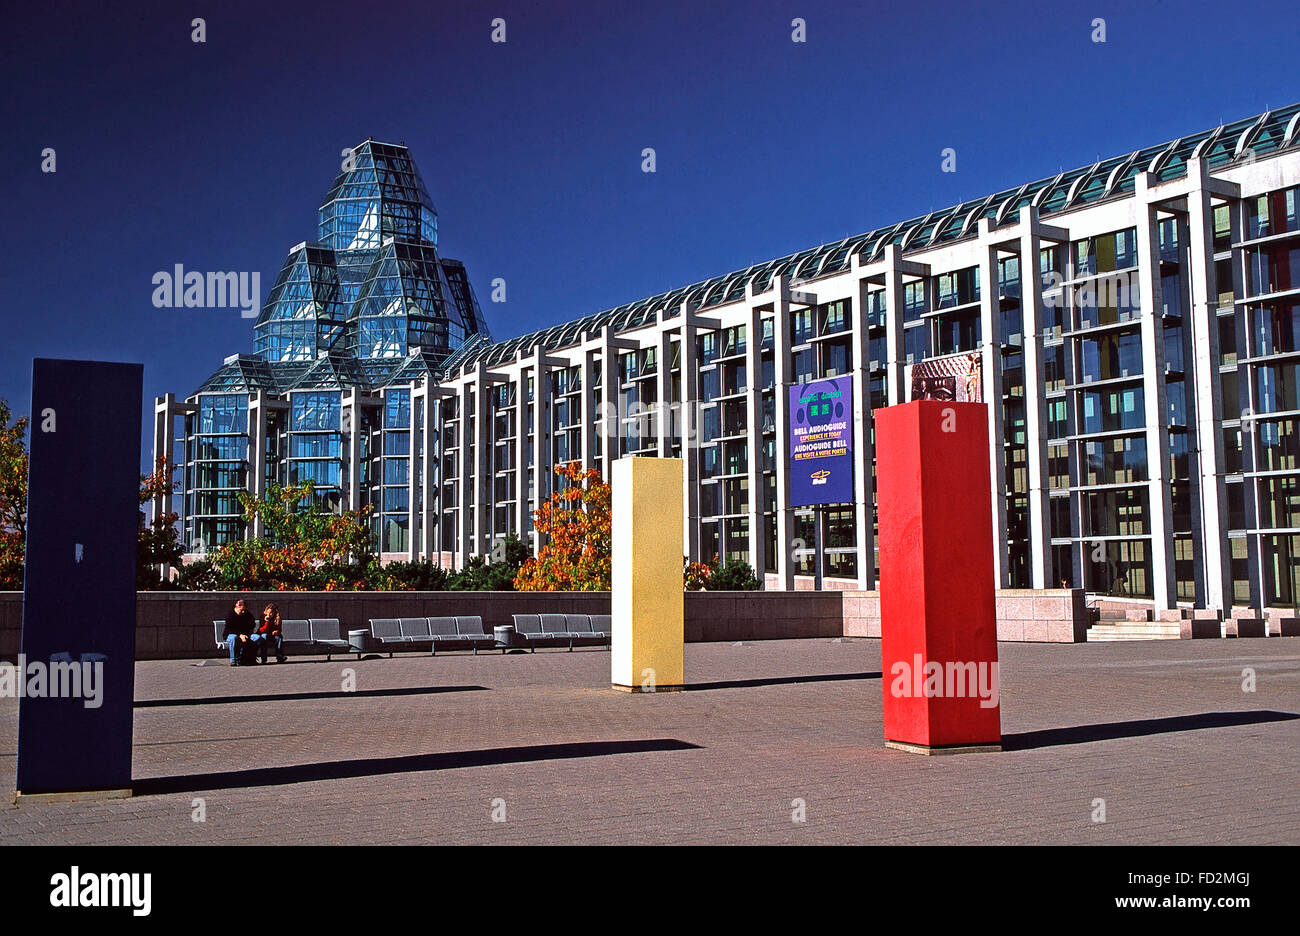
821,442
956,377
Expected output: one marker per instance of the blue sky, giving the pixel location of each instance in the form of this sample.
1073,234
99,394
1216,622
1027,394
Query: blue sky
216,155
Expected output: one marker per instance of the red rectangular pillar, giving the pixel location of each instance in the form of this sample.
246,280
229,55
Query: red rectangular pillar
938,633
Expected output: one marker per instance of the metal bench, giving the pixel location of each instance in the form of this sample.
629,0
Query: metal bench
319,634
560,630
470,628
326,635
464,632
388,633
582,633
415,633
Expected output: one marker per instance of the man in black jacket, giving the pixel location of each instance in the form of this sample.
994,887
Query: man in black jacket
239,625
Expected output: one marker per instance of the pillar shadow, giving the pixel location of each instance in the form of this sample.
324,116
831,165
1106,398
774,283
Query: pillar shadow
1109,731
299,696
777,681
415,763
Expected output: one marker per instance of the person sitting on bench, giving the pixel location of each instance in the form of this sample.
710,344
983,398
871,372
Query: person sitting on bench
239,625
268,632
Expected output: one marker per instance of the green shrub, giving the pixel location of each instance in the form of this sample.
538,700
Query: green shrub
733,575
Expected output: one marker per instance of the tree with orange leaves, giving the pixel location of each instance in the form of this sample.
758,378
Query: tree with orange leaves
13,498
576,521
157,544
307,547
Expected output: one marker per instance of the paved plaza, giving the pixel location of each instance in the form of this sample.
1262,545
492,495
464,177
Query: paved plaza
431,750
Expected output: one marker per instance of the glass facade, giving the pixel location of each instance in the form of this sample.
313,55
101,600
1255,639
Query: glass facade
375,378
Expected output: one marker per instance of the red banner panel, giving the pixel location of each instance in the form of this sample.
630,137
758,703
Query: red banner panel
938,632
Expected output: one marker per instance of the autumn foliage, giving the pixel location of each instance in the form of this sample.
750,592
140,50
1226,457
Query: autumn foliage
576,522
13,499
307,547
157,543
576,557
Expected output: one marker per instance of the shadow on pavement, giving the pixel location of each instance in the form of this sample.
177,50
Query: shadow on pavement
379,766
777,681
298,696
1109,731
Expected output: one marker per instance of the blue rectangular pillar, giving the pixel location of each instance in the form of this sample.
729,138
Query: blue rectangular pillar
77,658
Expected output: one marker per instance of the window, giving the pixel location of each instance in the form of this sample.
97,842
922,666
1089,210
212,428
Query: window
957,332
1113,410
914,344
1115,512
1273,268
959,288
914,303
1106,253
314,445
1222,228
223,412
1110,356
833,318
1274,213
1279,445
1009,276
1275,388
1277,328
1113,461
397,409
801,326
316,410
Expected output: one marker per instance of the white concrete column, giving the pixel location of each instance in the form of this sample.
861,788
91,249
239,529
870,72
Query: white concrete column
663,386
436,536
610,412
412,481
523,507
863,483
542,477
991,333
784,378
164,446
895,350
1160,512
431,476
465,543
483,444
1039,485
1211,533
1248,398
692,433
588,405
754,432
353,426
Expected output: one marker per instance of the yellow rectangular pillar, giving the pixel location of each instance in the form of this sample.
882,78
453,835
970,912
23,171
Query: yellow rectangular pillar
647,601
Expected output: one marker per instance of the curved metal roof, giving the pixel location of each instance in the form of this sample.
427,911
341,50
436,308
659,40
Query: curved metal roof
1106,178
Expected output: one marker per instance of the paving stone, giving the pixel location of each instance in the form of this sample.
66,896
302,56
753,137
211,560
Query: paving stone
1161,730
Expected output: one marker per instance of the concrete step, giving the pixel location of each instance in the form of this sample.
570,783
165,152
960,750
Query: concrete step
1135,630
1122,615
